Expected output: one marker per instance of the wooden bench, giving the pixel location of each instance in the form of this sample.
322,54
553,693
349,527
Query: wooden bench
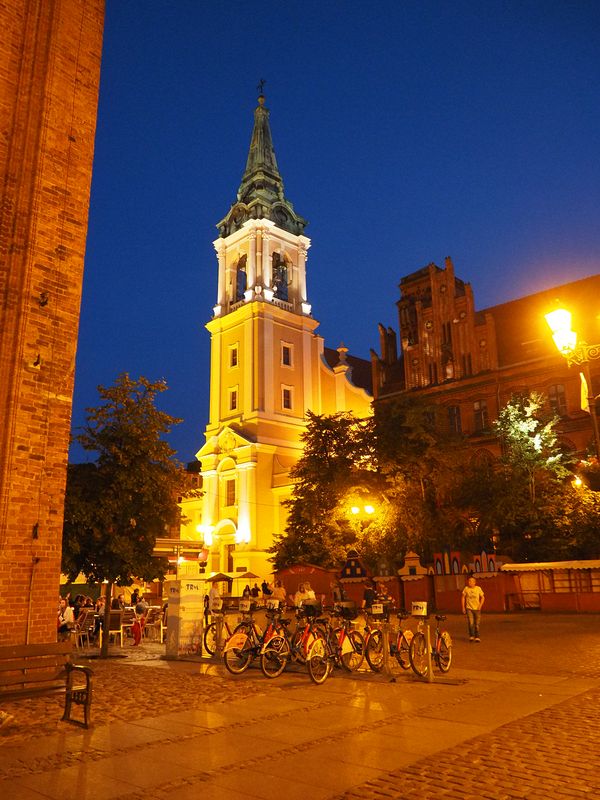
30,670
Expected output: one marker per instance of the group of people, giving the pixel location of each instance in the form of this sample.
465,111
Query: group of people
266,590
70,613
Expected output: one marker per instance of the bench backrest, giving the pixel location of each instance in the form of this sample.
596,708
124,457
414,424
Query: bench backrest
33,665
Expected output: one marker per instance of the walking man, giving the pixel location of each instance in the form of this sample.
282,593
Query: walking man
472,603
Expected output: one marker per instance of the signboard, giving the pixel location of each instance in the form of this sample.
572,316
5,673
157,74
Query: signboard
419,609
185,617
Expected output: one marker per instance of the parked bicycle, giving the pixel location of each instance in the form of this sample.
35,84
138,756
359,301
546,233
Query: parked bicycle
400,644
342,646
309,627
375,615
276,648
245,643
441,649
211,632
347,643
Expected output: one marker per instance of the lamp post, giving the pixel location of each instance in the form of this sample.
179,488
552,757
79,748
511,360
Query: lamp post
578,354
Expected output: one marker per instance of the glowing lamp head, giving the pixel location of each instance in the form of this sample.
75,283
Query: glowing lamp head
207,533
369,510
559,322
355,510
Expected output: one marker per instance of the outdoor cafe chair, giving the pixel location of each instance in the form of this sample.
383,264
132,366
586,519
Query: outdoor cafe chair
153,629
84,623
115,625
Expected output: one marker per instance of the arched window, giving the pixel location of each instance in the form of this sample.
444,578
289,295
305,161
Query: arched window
241,279
482,459
280,278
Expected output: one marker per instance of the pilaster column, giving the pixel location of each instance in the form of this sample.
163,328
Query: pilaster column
221,286
210,498
266,270
252,260
247,491
303,245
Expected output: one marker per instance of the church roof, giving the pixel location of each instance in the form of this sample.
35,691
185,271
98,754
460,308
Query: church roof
361,368
261,194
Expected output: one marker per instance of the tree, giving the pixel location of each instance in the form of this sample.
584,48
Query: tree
335,462
527,501
530,442
395,460
118,505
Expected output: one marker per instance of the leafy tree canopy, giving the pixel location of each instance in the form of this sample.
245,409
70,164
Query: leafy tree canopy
529,439
118,505
393,461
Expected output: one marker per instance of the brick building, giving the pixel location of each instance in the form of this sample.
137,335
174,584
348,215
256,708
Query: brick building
470,362
49,77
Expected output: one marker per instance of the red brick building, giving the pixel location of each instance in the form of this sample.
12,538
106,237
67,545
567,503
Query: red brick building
49,77
470,362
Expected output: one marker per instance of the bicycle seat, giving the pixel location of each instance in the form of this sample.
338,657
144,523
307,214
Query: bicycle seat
440,617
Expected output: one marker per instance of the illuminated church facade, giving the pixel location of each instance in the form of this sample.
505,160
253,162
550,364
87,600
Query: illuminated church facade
268,367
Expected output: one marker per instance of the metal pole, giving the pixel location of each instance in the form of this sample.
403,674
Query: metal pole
429,659
385,628
219,623
592,406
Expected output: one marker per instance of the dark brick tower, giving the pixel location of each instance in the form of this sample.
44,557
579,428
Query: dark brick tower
50,54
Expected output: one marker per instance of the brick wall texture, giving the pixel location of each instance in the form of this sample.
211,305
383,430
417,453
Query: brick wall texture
50,53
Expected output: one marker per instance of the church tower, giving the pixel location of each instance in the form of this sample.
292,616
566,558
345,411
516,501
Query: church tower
267,368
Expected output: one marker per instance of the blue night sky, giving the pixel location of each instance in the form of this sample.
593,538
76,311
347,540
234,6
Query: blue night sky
404,132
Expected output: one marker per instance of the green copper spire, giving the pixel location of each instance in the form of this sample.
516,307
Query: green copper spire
260,195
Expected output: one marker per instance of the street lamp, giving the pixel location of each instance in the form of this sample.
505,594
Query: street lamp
577,354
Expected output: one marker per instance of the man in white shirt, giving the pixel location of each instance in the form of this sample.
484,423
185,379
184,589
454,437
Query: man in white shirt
472,603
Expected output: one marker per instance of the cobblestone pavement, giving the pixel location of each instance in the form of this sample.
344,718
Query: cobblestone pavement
374,738
551,754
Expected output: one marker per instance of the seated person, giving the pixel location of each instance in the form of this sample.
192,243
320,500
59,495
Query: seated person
66,619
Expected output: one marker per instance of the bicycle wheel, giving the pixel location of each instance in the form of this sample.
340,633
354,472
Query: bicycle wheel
352,660
374,650
210,639
275,656
319,661
417,654
237,658
402,651
444,652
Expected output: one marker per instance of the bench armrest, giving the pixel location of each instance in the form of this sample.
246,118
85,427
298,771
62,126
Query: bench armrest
87,671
